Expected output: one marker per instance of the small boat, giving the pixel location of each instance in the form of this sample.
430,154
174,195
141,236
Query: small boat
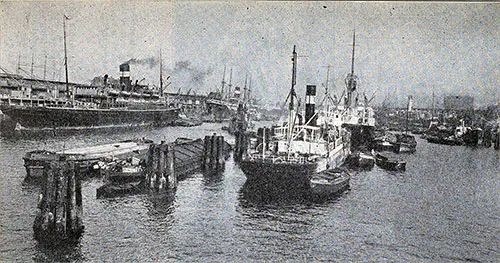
361,160
383,145
365,160
405,143
328,183
187,122
471,136
388,164
115,190
127,171
445,140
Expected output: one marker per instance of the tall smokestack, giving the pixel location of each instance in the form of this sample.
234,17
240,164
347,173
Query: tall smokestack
237,92
125,76
310,104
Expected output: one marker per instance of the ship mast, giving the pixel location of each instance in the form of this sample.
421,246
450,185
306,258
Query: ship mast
432,105
223,82
294,79
161,76
45,68
353,46
351,79
249,89
66,60
291,119
230,84
245,88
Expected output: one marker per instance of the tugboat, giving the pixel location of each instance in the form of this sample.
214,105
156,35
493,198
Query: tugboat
292,152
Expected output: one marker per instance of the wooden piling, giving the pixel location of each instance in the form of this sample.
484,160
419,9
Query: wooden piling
207,152
172,175
213,152
221,151
59,207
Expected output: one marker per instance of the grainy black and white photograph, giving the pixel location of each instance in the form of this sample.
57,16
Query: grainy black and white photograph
249,131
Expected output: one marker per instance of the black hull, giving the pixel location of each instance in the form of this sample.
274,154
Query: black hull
362,136
390,165
39,118
278,175
444,141
471,138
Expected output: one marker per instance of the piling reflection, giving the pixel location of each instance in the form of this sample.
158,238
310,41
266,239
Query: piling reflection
62,252
213,179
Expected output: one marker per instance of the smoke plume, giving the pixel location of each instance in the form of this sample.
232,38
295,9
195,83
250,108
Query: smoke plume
196,75
151,62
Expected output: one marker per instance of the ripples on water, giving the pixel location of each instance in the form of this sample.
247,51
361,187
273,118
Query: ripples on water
444,208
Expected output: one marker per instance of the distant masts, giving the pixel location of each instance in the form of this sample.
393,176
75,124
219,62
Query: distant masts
18,63
245,88
230,83
32,64
223,82
45,68
250,88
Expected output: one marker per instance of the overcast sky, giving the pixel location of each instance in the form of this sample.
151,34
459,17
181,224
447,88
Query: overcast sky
401,48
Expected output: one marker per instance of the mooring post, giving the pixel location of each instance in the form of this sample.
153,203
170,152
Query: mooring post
161,158
170,158
61,185
497,139
71,221
213,153
206,152
59,214
150,166
220,151
237,145
79,203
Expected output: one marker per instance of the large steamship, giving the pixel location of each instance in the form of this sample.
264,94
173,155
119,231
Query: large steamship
37,104
34,104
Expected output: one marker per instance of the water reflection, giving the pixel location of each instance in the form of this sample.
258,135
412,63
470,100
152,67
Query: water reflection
61,252
213,180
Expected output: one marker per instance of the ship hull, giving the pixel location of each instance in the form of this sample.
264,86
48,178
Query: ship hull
37,118
362,136
278,175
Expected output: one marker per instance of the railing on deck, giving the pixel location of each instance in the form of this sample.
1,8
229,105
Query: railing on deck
277,159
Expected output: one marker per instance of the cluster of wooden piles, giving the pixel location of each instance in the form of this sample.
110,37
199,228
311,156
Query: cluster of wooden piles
59,209
166,163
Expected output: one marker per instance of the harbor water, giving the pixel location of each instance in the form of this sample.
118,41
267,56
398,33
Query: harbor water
444,208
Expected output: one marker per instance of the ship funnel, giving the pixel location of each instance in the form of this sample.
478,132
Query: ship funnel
125,77
310,104
237,92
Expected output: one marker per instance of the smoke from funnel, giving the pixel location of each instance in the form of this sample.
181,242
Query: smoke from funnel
151,62
196,75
